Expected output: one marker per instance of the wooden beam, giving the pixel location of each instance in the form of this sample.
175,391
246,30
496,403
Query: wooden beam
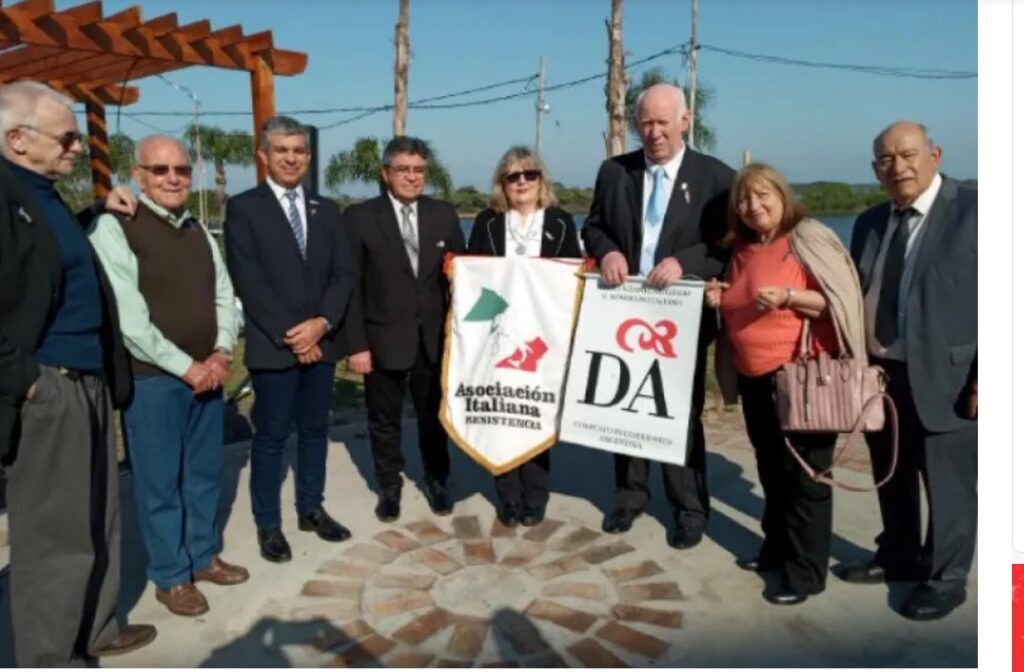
98,68
262,78
99,149
14,60
114,74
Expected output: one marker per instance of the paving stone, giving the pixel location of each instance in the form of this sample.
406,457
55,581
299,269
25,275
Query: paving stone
467,527
410,658
448,662
370,650
348,589
478,552
396,541
436,560
642,592
468,638
499,530
598,554
576,540
592,654
633,640
355,570
373,553
330,611
573,619
547,660
542,531
501,663
522,554
633,572
556,568
518,631
427,532
665,619
341,635
422,628
408,601
415,581
580,590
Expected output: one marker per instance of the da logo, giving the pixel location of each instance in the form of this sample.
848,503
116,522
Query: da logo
525,353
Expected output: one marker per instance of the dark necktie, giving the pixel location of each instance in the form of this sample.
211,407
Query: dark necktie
889,291
295,221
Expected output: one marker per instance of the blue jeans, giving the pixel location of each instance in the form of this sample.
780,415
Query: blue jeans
301,394
176,444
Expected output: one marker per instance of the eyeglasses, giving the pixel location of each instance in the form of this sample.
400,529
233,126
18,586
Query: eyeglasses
162,169
405,170
529,175
66,140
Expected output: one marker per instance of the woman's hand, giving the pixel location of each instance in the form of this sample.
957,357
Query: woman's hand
713,292
772,298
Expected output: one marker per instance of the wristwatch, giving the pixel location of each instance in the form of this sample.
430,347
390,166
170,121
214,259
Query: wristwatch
327,323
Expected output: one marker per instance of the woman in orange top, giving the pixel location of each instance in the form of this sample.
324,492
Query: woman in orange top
769,291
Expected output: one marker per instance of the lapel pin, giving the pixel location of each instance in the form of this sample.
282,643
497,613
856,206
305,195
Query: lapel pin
24,215
440,243
547,234
685,188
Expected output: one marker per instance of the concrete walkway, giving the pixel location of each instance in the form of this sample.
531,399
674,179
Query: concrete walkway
460,590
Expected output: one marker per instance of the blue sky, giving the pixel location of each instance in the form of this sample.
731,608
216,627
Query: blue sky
814,124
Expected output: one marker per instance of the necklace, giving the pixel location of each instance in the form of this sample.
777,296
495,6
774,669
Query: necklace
528,234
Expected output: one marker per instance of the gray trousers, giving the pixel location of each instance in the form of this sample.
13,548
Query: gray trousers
65,525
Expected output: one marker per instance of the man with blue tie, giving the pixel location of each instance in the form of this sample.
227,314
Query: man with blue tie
292,266
660,212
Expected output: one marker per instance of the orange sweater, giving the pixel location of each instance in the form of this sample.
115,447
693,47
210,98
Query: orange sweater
765,340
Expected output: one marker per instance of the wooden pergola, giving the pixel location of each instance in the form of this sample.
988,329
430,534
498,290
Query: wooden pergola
92,58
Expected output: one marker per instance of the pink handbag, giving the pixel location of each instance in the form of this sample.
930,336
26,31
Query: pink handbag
833,394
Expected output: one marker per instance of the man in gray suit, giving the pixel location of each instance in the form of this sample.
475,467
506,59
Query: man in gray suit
918,262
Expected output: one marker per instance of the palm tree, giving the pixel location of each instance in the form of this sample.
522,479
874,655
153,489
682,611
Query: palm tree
222,148
704,136
362,163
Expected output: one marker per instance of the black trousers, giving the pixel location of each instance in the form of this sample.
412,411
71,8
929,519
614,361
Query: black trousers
948,465
797,518
686,487
385,391
527,484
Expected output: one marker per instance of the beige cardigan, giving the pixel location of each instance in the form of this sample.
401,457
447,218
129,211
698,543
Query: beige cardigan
822,254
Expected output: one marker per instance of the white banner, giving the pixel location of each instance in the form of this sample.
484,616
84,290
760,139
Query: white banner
631,371
508,338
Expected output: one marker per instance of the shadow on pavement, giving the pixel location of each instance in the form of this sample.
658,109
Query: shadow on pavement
263,645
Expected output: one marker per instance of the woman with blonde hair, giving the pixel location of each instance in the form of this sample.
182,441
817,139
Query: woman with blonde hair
785,268
523,219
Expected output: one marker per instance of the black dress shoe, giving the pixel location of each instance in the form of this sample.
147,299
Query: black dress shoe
861,572
785,595
756,564
327,528
532,515
619,521
508,514
273,546
438,499
388,507
685,536
925,603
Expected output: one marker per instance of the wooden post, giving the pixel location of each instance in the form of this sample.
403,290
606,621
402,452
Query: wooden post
693,69
615,88
99,149
262,102
401,68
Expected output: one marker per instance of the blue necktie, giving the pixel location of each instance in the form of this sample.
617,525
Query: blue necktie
656,206
295,219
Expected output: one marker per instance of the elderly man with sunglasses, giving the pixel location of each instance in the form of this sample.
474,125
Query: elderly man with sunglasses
63,368
176,306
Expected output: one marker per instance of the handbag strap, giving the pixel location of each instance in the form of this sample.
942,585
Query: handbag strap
823,477
805,336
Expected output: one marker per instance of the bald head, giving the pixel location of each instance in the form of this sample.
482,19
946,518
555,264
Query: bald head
39,130
661,120
906,161
163,171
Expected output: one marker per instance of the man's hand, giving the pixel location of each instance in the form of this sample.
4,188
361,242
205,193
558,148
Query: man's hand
713,292
771,298
311,356
121,200
200,378
31,392
305,335
219,366
666,272
971,403
361,362
614,269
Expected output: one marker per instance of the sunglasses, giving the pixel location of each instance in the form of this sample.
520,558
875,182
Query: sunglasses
162,169
529,175
66,139
405,170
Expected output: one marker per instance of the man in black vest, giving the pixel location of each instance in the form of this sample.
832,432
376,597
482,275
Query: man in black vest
63,368
179,323
396,326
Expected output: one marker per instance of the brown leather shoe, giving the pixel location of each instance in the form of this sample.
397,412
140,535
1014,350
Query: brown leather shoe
131,638
221,573
183,599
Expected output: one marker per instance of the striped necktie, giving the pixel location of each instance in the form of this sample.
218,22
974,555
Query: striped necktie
295,220
412,246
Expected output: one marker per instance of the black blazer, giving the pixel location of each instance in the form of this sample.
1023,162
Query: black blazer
394,309
942,304
31,276
278,288
558,239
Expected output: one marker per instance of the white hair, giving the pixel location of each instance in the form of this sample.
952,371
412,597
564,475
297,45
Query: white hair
677,92
141,145
19,103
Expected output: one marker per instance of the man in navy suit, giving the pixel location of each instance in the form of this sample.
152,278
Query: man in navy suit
292,266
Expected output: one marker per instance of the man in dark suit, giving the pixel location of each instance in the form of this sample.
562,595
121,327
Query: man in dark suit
918,263
63,368
659,212
292,266
395,329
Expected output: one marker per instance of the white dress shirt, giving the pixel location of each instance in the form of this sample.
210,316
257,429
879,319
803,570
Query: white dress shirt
897,350
300,203
525,231
651,233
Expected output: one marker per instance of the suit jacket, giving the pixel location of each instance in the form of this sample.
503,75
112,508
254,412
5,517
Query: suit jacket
393,308
278,287
558,237
31,277
942,303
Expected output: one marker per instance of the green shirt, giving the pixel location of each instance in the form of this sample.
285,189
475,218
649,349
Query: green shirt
142,338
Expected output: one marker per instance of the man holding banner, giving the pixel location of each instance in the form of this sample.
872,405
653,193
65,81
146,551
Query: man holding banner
660,212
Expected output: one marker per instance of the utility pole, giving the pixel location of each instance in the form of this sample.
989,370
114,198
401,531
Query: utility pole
693,68
615,87
401,69
746,157
542,106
